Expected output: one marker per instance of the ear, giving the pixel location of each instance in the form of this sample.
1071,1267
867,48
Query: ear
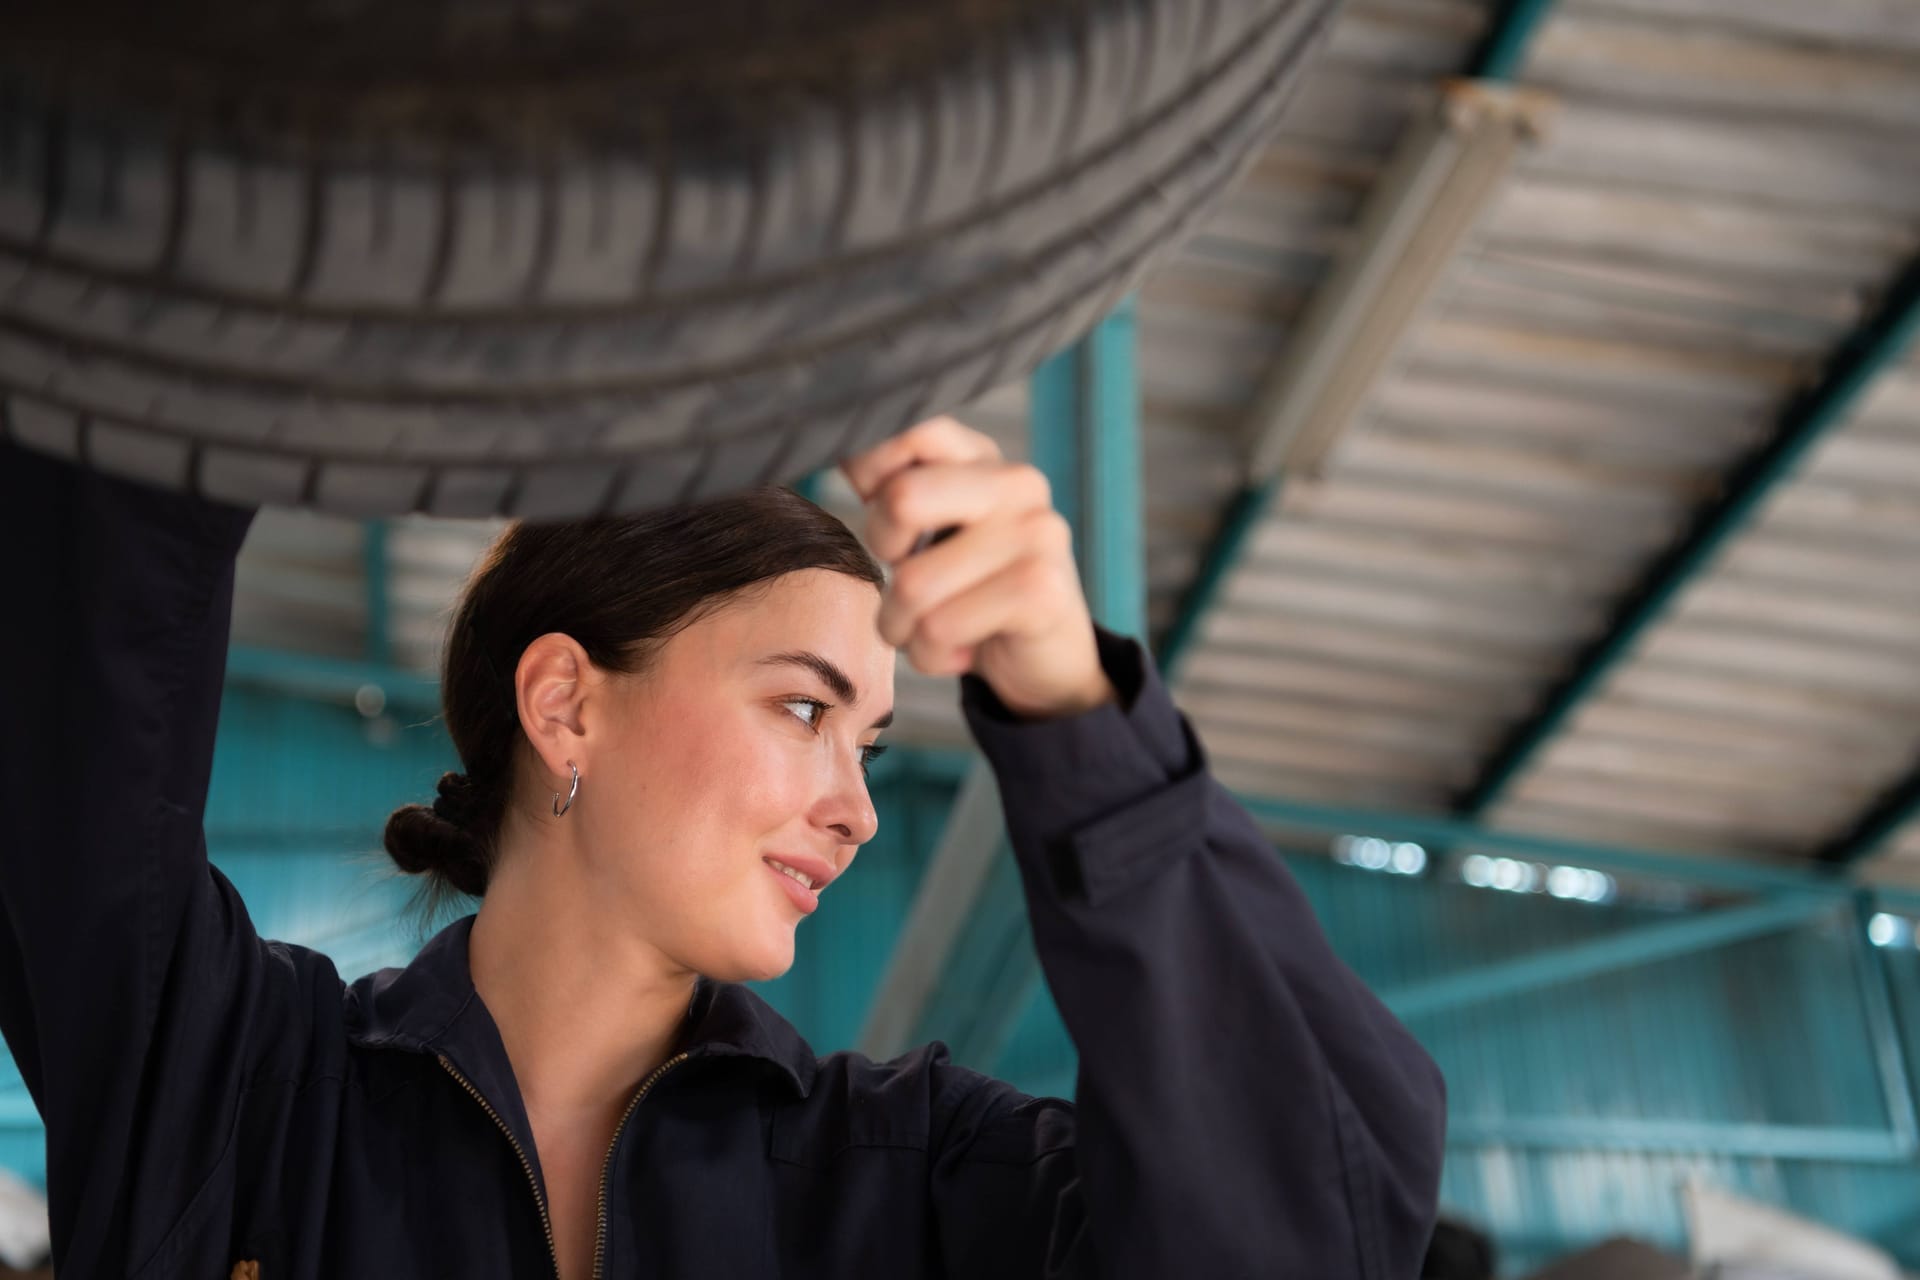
551,686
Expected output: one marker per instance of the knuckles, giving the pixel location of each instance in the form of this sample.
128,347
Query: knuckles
933,632
908,588
1038,486
1036,576
910,616
1049,531
898,502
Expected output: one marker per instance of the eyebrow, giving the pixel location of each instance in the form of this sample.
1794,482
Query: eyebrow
831,676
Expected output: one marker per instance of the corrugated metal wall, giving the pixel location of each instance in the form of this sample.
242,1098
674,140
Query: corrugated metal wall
1769,1031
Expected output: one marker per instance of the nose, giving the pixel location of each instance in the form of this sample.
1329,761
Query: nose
848,808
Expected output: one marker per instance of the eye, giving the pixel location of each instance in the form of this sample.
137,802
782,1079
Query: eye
820,709
867,754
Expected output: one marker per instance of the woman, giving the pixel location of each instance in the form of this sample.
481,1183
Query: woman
652,712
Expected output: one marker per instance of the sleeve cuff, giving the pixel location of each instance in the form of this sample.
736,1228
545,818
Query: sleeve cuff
1142,720
1066,779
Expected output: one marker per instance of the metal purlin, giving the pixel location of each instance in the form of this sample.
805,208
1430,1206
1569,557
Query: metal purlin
1897,806
1508,37
1879,343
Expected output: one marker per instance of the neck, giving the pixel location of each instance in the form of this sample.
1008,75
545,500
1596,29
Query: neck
585,1009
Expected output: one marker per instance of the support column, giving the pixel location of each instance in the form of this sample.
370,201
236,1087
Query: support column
964,970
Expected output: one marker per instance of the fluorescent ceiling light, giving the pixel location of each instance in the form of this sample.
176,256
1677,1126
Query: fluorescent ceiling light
1442,175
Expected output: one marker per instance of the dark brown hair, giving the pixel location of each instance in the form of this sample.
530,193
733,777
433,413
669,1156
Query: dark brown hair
622,587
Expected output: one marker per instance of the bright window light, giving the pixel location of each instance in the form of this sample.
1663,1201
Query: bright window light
1580,883
1409,859
1567,882
1883,930
1369,852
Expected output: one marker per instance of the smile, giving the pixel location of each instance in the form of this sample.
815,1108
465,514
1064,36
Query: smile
784,869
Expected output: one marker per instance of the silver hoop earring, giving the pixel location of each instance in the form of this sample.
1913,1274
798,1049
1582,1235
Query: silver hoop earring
558,808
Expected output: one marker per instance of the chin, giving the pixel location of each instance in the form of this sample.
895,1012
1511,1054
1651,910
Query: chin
761,967
770,972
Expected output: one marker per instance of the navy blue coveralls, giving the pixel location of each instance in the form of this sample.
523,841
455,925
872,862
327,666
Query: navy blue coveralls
1245,1107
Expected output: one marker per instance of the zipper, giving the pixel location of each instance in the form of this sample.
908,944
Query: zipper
600,1231
546,1220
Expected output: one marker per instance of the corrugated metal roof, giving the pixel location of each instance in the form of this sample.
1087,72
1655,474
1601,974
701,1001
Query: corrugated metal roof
1720,197
1724,192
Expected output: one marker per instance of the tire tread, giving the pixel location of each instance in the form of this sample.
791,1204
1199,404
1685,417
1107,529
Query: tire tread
1068,215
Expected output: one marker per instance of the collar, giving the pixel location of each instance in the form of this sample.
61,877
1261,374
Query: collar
430,1006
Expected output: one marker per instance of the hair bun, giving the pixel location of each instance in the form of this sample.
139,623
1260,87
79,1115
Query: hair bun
456,800
439,839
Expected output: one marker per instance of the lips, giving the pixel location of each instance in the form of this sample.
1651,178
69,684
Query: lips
818,871
800,877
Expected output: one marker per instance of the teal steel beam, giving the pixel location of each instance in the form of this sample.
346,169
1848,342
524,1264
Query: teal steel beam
237,840
1110,530
359,684
1894,898
1875,346
1838,1144
942,926
1227,550
1647,944
992,976
379,601
1883,1028
1085,439
1896,807
1731,872
1085,435
1842,1144
1508,36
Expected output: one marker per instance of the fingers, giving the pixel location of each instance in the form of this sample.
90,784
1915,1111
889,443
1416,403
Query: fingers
940,439
920,499
944,639
924,582
1008,572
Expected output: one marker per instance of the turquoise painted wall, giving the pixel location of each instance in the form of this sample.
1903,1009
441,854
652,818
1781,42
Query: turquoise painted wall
1769,1030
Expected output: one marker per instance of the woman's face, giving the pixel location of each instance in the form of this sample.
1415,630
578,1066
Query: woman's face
721,757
